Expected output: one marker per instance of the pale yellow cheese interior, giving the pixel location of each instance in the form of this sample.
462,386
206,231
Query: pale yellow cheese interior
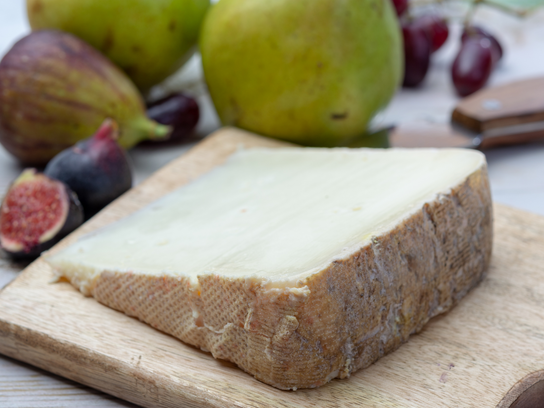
272,214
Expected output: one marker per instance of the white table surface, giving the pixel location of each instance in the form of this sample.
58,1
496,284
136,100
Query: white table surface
516,173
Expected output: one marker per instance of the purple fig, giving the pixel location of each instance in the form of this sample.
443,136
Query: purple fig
36,213
177,110
96,169
56,90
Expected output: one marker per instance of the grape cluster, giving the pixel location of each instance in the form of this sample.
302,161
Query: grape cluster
477,57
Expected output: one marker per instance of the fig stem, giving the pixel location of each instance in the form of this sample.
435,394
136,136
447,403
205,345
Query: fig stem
158,131
143,128
108,130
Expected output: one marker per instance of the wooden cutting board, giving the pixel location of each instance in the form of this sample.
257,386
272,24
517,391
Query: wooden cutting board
485,353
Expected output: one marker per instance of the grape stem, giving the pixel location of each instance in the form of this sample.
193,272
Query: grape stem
517,13
470,13
490,3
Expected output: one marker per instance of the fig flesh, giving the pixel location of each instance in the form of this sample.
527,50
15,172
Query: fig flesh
36,213
96,169
56,90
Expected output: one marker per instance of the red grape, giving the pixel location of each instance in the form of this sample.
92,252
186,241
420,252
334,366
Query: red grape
417,54
401,6
178,110
472,66
475,31
436,28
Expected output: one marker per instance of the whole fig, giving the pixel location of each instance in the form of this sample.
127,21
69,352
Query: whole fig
96,169
148,39
56,90
178,110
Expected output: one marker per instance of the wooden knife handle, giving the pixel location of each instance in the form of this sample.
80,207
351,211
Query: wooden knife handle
512,104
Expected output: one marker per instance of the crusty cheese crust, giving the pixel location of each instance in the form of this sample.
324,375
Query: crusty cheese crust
338,320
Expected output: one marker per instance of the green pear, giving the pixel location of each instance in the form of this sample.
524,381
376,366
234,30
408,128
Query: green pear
312,72
148,39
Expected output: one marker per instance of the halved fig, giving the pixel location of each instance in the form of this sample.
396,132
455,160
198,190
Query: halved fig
36,213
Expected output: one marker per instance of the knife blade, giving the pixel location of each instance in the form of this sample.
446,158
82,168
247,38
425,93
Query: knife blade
503,115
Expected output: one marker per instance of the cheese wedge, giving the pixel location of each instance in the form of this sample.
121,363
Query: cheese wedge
298,265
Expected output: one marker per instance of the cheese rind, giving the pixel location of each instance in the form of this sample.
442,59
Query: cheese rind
354,289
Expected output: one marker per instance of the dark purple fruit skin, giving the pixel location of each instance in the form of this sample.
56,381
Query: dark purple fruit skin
436,28
475,31
473,65
417,54
97,179
73,220
178,110
401,6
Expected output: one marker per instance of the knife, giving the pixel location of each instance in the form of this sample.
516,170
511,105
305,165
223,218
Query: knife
503,115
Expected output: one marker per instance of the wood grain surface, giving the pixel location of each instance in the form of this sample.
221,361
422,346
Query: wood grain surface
25,386
471,357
